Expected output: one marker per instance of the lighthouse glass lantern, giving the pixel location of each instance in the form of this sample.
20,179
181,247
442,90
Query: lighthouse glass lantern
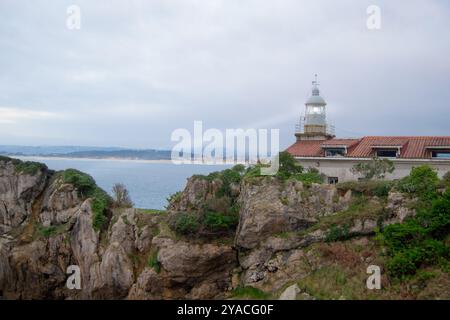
313,125
315,115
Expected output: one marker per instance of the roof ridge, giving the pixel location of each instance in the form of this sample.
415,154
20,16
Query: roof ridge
406,137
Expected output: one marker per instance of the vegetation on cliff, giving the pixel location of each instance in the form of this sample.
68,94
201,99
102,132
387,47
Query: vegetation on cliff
233,234
420,241
25,167
87,188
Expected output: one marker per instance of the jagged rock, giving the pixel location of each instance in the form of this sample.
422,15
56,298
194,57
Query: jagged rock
18,192
114,276
187,270
197,191
400,207
276,207
60,203
149,285
272,247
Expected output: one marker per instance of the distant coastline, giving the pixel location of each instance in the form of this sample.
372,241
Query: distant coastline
81,153
41,158
89,153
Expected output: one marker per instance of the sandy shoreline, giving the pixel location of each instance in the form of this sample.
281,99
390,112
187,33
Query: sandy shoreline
43,158
38,158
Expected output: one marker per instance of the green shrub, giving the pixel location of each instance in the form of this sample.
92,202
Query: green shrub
239,168
228,177
25,167
83,182
100,202
87,188
5,159
47,231
174,198
29,167
374,169
406,262
154,263
253,171
186,223
337,233
382,188
220,222
419,241
445,180
422,181
312,175
288,166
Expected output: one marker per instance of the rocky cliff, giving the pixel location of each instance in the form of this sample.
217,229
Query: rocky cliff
259,237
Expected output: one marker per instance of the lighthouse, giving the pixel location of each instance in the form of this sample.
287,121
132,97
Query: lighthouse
313,124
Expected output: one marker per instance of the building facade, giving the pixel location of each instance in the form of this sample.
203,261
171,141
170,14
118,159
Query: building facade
317,147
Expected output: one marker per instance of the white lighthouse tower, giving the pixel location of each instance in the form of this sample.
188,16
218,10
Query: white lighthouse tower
313,125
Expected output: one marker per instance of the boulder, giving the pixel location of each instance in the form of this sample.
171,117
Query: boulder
290,293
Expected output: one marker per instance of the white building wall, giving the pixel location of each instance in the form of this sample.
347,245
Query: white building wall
341,167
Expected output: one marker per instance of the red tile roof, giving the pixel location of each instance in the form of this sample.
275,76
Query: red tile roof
410,147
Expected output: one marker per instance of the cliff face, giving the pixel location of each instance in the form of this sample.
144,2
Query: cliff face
46,226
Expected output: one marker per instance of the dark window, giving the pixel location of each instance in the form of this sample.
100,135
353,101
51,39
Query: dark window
334,152
333,180
444,154
387,153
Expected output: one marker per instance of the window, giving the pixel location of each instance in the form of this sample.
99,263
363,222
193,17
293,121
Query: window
336,152
444,154
333,180
387,153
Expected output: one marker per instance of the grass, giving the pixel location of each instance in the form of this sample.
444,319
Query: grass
360,208
250,293
379,188
339,271
52,231
151,211
47,231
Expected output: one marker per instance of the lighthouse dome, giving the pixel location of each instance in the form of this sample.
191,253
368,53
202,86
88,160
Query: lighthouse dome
316,99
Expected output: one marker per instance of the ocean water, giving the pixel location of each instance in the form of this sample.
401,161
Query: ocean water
149,183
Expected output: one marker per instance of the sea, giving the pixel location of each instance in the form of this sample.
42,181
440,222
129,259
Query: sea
149,183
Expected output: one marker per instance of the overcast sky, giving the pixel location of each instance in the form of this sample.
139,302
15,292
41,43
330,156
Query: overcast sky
137,70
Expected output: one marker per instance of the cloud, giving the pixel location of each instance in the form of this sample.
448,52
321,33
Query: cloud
10,115
137,70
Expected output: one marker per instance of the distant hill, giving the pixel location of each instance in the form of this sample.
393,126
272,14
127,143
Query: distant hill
85,152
